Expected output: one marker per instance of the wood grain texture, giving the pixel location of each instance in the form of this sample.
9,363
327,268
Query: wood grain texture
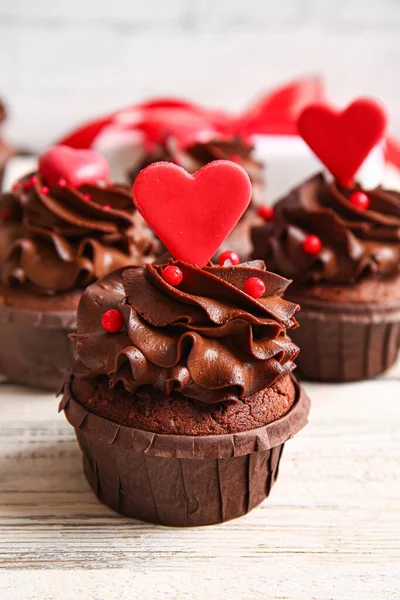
330,529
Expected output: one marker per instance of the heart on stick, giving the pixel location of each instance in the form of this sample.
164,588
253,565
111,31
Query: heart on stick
192,214
76,167
342,140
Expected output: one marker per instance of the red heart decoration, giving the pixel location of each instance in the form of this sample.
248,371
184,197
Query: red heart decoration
76,167
342,140
192,214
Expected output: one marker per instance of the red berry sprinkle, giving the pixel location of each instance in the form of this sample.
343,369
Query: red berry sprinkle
106,207
266,212
15,186
33,180
5,215
359,200
172,275
254,287
230,257
87,197
312,244
27,185
112,321
62,183
45,190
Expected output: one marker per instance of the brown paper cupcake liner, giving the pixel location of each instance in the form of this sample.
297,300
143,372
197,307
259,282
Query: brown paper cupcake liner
180,480
345,343
34,346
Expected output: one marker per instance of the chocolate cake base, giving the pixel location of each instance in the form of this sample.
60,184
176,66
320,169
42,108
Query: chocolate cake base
177,415
181,480
34,346
345,342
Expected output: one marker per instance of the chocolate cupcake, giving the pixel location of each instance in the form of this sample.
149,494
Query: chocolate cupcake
341,247
182,388
58,234
195,156
194,392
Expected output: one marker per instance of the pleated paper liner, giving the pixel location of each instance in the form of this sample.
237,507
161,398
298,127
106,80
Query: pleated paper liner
34,346
180,480
345,342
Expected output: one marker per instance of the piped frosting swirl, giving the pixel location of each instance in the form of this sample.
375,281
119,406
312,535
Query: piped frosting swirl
356,244
67,238
206,339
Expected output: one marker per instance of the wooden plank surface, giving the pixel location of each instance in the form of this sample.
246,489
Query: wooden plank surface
331,528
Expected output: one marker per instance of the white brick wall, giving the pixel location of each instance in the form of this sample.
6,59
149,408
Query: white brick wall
61,60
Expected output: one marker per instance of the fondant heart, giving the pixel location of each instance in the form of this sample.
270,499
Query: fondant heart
192,214
76,167
343,139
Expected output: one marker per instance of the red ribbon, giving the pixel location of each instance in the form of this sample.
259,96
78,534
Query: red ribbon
275,113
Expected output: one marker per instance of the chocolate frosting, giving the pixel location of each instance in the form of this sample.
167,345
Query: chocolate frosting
202,153
205,339
69,237
356,244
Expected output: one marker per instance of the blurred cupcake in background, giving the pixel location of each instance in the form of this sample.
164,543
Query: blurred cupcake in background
61,229
340,243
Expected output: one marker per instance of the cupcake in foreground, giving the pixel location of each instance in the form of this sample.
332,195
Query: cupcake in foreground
182,394
61,229
340,244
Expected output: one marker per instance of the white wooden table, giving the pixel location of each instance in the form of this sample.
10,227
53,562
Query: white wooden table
330,530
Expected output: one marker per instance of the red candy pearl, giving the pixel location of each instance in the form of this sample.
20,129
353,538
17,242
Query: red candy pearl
312,244
27,185
112,321
87,197
254,287
359,200
45,190
5,215
106,207
228,256
62,183
16,186
172,275
266,212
